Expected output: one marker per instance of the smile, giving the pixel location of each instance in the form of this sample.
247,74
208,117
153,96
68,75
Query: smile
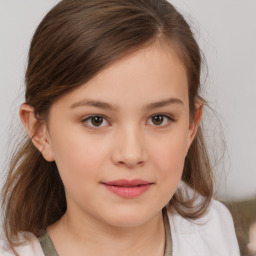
128,188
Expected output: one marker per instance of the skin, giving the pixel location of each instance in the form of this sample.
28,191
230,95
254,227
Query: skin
128,144
252,239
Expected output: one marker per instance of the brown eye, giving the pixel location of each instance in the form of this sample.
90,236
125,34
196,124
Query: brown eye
160,120
157,120
95,121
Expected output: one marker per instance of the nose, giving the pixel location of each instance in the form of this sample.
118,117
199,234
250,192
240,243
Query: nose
129,148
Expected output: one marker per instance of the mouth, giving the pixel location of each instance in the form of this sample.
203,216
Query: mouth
128,188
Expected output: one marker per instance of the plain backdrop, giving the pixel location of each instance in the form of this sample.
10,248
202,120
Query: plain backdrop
226,31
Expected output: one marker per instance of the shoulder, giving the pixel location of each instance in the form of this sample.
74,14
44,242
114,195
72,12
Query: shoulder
29,247
213,234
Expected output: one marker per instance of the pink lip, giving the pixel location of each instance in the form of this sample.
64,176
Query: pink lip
128,188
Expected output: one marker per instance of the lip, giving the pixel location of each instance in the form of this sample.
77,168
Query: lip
128,188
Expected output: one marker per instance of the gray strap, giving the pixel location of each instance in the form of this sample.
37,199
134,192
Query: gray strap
168,237
47,245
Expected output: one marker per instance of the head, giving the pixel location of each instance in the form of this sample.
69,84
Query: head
128,54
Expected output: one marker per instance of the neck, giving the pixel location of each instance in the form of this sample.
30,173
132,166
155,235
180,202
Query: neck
88,236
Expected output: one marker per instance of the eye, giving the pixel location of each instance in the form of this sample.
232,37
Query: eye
95,121
160,120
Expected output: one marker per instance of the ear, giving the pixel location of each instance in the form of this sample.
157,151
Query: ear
37,131
194,124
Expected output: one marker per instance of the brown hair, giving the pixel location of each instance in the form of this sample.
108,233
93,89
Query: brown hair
75,41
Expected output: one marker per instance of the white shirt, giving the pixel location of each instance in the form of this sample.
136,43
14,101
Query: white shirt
211,235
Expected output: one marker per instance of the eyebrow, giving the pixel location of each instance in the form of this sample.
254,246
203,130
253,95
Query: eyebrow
104,105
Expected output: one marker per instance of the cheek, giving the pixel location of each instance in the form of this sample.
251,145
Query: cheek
78,158
169,156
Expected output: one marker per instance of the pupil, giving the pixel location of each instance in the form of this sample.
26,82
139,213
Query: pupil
157,120
96,121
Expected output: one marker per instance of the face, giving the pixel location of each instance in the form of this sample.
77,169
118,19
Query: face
120,140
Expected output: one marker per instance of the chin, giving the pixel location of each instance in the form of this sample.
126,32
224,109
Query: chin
128,218
127,222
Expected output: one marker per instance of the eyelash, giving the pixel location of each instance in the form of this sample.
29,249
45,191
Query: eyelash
89,119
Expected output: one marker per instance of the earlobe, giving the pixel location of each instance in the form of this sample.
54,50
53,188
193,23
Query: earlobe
37,131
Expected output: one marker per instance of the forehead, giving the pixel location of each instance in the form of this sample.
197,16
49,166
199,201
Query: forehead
150,74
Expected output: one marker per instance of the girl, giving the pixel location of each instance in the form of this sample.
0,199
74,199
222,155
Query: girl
115,161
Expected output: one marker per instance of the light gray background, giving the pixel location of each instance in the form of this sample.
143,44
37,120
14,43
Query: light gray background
226,30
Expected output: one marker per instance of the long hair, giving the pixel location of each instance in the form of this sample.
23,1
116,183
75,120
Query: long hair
76,40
